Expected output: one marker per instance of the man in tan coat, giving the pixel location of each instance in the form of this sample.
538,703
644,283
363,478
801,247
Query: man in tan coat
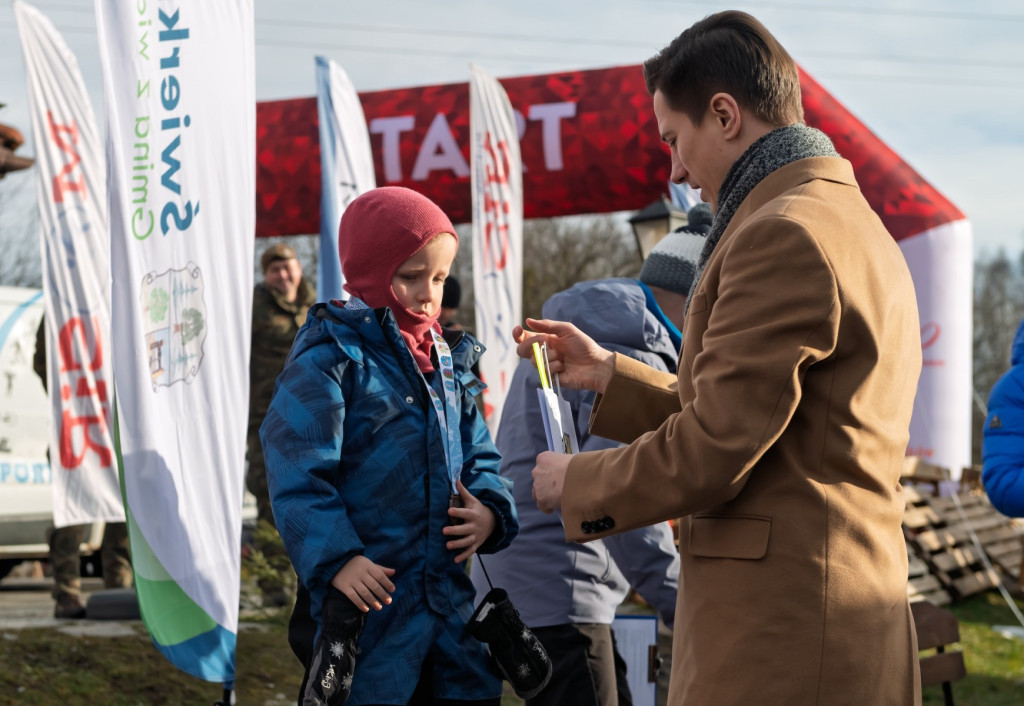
781,440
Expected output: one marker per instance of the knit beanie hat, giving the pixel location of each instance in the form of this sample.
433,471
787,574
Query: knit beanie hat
380,230
699,218
672,263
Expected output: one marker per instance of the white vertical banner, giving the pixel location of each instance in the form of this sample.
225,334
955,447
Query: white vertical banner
181,137
497,192
346,166
942,265
75,245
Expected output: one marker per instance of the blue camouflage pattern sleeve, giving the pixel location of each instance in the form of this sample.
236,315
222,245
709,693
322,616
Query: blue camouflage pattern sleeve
302,440
481,462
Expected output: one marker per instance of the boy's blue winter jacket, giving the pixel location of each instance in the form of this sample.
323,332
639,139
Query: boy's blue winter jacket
356,465
1003,441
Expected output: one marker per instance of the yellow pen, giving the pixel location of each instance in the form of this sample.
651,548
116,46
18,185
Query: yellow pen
538,356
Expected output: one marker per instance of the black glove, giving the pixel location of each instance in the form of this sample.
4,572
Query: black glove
329,676
520,656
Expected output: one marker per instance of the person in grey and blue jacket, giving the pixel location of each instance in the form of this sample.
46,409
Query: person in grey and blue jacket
568,593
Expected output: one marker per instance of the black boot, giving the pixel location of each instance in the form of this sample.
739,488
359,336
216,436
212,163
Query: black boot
329,676
520,656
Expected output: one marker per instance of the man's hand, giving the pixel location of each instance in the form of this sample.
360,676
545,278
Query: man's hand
548,479
365,583
477,524
575,356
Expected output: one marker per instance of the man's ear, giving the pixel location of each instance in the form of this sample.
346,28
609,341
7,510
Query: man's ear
725,111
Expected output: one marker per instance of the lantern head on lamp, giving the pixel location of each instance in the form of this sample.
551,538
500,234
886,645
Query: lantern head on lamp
10,140
652,223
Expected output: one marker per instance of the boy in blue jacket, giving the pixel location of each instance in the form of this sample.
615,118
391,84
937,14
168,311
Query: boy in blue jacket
382,474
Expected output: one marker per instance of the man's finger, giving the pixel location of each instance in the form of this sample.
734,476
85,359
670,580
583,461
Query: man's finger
524,349
543,325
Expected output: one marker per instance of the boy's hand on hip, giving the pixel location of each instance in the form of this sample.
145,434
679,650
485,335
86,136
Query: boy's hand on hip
364,583
477,524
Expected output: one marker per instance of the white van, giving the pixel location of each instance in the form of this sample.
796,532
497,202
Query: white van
26,494
26,499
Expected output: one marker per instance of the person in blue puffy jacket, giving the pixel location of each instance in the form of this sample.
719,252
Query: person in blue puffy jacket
382,474
1003,441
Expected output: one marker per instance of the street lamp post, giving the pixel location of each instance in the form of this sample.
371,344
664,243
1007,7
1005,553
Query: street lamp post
653,222
10,140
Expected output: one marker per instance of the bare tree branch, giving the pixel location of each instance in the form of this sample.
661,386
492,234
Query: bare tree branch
21,264
557,253
998,310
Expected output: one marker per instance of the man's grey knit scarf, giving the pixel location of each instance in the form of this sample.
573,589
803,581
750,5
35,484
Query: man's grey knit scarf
772,151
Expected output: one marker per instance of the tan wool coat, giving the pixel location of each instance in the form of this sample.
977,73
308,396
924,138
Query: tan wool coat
780,445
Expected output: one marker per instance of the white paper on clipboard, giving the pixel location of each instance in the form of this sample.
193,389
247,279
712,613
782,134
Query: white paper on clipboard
559,425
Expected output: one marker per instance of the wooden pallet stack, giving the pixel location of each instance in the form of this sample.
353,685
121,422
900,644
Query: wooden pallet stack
999,535
921,584
939,535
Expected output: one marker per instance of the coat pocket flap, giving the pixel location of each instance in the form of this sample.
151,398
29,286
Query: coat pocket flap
730,537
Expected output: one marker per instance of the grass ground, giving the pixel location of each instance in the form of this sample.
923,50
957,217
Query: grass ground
995,664
49,668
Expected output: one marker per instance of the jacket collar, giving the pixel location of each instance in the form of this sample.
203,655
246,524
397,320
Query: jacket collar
349,328
794,174
834,169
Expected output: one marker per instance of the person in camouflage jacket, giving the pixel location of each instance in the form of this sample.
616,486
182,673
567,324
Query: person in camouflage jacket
279,307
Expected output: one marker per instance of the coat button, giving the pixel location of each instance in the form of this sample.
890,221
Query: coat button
409,399
366,319
608,523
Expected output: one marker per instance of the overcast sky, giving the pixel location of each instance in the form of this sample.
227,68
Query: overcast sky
941,81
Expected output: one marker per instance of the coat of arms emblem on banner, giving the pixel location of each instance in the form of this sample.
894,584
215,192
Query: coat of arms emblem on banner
174,321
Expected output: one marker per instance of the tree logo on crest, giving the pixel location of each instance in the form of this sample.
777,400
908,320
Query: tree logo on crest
174,321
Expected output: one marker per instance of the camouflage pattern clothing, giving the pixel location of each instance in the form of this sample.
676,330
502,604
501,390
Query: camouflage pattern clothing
65,558
274,325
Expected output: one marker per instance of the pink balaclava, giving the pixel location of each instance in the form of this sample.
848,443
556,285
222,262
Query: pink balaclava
379,231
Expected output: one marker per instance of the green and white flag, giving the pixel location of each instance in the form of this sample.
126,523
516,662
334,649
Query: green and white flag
181,136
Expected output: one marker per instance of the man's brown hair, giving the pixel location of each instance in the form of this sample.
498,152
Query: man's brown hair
728,52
